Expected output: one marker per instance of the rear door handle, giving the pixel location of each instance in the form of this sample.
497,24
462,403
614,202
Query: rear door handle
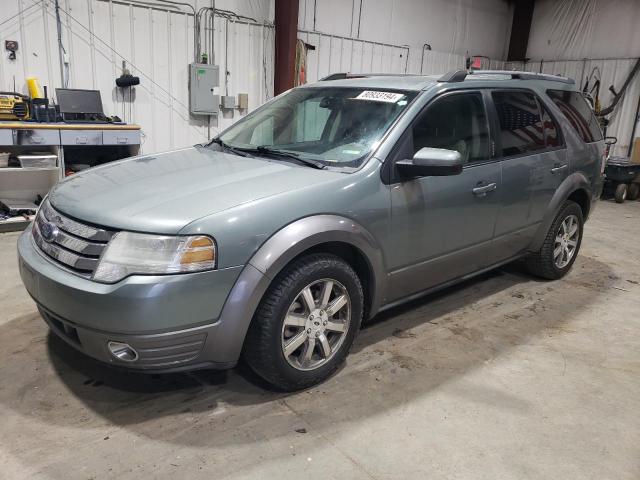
482,191
559,168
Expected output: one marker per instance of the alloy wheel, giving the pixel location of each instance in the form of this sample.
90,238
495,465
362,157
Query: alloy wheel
316,324
566,241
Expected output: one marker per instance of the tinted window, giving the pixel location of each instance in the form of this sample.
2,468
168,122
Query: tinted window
576,109
456,122
552,139
521,129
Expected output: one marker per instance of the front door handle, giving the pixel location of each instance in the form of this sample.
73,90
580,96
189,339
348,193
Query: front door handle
482,191
559,168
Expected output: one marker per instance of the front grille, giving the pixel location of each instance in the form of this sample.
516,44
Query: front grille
74,245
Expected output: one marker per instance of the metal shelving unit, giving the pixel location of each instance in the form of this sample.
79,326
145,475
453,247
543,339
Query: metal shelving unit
18,183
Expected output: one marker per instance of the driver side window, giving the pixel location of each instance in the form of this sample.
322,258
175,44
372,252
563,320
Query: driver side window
454,122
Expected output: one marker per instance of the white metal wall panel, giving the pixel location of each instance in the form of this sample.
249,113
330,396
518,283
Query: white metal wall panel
481,27
334,54
157,44
612,72
339,54
439,62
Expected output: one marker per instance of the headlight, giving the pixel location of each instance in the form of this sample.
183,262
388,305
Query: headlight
136,253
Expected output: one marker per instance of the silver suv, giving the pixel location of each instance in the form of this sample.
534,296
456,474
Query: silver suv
328,204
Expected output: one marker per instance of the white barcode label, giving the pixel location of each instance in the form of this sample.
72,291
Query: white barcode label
374,96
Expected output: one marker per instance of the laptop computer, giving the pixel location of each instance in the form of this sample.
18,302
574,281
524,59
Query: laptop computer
78,105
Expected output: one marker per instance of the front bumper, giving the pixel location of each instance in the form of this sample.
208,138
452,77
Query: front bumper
174,322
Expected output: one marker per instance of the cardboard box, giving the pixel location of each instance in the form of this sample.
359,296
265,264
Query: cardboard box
635,151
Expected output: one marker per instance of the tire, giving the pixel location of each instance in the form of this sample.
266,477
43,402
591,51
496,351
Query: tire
633,190
269,336
621,193
544,263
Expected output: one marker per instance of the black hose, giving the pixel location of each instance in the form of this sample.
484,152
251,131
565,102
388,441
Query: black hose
616,98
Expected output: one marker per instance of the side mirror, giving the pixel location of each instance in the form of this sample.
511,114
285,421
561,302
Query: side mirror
431,162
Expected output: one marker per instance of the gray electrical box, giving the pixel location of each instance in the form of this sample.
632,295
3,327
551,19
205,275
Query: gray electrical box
203,78
228,102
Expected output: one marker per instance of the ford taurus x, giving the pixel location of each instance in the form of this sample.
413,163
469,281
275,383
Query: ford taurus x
333,201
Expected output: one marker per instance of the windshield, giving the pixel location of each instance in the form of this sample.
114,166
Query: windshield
336,126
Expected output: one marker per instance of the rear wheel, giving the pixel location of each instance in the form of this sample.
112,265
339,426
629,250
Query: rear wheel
633,190
561,245
621,193
306,322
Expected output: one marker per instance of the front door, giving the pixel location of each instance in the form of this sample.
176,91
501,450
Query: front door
442,227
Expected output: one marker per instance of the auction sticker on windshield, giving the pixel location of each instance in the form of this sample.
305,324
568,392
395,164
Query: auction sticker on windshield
375,96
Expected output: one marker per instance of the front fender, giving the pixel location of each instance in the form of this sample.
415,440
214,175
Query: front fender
308,232
575,181
273,256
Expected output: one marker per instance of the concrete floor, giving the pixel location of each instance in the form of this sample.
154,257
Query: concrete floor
501,377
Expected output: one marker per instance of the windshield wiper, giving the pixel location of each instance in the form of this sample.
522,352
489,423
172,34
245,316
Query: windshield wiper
238,151
281,153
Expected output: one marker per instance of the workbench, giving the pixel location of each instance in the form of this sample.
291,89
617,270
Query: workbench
73,143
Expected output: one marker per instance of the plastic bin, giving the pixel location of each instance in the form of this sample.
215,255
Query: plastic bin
40,160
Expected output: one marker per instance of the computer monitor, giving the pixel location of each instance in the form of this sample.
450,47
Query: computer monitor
75,101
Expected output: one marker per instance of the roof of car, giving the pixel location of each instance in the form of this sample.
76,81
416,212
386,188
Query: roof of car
374,80
415,82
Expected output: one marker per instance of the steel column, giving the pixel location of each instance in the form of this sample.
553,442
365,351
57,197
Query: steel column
286,23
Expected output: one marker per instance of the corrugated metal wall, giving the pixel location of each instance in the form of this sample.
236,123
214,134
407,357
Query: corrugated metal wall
342,54
334,53
156,42
612,72
480,27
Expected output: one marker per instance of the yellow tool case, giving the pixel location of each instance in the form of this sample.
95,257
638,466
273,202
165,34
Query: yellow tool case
14,106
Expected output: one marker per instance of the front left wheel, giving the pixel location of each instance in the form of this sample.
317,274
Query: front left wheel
306,322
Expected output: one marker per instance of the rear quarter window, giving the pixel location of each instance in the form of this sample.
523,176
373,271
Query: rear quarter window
577,111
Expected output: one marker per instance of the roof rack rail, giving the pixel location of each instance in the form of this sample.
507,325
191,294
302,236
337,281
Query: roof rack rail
460,75
340,76
347,75
454,76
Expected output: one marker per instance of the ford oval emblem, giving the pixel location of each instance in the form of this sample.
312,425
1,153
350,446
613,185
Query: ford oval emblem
49,231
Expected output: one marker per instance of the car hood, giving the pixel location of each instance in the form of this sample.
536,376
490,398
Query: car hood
164,192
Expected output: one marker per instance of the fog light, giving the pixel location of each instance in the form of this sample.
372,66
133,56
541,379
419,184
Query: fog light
122,351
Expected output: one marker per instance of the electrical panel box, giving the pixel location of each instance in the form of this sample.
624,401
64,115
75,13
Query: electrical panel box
243,101
228,102
203,78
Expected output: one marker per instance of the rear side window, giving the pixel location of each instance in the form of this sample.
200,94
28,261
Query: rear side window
576,109
551,136
521,129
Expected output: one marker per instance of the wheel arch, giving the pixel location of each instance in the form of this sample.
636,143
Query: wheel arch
576,187
333,234
583,199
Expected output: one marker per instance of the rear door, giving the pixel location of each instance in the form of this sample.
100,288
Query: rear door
442,227
585,137
534,163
